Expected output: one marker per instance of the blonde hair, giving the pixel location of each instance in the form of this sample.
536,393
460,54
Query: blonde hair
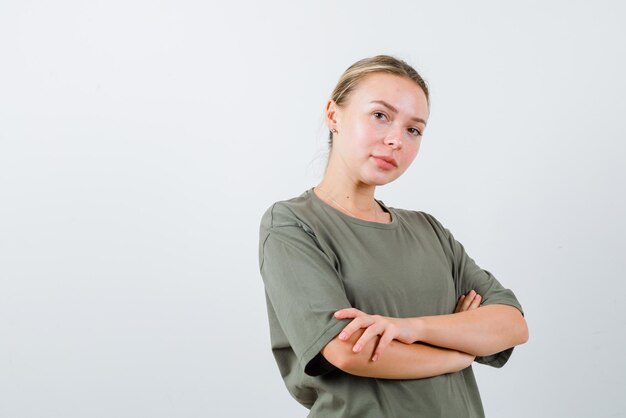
350,78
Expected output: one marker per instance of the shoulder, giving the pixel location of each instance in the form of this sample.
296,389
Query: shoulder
289,212
288,221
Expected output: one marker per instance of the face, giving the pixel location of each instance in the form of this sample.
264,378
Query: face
379,128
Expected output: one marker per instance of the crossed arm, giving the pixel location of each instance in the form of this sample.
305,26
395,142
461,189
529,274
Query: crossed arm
445,343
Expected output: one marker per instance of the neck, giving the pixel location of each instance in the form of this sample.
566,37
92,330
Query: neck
348,195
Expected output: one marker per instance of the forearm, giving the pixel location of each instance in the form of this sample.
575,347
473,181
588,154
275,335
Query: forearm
400,360
483,331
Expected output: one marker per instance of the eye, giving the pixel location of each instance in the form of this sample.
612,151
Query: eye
415,132
379,115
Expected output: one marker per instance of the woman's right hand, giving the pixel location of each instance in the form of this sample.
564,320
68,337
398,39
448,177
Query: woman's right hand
468,302
465,360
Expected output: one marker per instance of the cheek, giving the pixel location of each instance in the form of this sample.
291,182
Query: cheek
367,131
417,147
412,152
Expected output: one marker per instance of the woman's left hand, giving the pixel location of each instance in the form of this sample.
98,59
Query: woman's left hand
387,327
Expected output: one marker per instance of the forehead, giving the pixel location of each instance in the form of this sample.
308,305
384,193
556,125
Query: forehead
401,92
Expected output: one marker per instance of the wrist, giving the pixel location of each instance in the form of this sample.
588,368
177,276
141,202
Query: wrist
416,328
468,359
459,360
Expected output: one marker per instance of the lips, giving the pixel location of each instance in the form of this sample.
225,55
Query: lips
389,160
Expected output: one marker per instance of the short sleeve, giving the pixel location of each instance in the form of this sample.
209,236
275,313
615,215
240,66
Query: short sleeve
304,290
467,276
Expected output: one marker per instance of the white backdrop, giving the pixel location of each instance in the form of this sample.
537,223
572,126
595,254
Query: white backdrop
141,141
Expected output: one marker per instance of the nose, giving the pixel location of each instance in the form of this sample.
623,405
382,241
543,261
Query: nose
393,139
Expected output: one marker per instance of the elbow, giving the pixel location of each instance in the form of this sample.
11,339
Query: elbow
523,333
339,353
520,327
336,355
517,326
513,330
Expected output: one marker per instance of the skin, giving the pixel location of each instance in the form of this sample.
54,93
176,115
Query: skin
401,361
367,127
485,331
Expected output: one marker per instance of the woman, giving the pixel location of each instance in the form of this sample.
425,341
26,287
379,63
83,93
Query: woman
376,311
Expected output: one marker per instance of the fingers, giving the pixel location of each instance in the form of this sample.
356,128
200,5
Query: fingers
468,302
385,340
348,313
459,304
475,303
388,333
358,322
374,325
369,333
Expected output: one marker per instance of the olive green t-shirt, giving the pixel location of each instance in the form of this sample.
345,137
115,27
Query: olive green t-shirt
314,260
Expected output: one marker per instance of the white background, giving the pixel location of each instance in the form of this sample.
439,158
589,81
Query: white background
141,141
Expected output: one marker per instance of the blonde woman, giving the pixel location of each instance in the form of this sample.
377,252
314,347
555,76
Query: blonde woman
376,311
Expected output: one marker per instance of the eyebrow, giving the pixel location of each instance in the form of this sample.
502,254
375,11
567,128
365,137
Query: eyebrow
393,109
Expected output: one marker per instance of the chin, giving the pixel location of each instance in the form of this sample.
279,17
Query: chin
375,176
379,180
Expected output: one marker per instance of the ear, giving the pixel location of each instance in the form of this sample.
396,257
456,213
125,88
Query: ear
331,114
